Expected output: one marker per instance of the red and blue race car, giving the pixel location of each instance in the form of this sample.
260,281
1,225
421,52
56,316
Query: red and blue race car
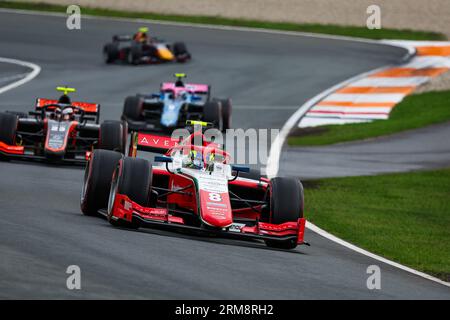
194,187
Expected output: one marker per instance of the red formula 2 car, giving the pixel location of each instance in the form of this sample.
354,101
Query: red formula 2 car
59,131
194,188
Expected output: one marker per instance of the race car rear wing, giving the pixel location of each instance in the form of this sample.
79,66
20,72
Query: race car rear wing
151,143
122,38
92,109
161,144
190,87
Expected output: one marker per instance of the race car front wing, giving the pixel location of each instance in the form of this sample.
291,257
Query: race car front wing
19,152
127,210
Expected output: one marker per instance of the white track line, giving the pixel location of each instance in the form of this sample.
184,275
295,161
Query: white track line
292,121
30,76
348,245
273,167
277,145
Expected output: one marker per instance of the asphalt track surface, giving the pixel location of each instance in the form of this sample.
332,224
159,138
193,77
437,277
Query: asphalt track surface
425,148
43,232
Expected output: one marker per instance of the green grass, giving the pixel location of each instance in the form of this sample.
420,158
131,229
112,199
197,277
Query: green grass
413,112
404,217
361,32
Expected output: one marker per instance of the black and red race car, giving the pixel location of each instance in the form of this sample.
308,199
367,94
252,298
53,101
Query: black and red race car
59,131
193,188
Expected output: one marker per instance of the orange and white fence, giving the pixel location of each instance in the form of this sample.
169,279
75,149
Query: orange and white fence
374,97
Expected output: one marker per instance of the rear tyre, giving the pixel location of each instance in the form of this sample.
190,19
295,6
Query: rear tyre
18,114
97,180
286,205
133,178
226,113
8,128
254,174
110,52
112,136
132,108
212,112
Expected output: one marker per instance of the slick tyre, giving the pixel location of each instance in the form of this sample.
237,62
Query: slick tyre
254,174
286,205
110,53
112,136
226,113
132,108
212,112
135,53
8,128
133,178
180,52
97,180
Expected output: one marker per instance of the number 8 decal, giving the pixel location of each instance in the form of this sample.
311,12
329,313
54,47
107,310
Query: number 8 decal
215,196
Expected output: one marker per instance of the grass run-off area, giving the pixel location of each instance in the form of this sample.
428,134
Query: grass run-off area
415,111
352,31
404,217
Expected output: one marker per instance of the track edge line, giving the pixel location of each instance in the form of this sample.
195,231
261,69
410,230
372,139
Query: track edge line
30,76
350,246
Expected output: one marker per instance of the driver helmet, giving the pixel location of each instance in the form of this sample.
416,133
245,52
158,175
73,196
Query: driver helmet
196,159
64,99
141,35
179,83
68,114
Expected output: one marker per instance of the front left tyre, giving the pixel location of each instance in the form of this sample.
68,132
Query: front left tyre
97,180
132,178
286,205
8,128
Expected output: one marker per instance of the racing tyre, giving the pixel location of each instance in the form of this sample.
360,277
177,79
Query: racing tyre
112,136
18,114
97,180
254,174
8,128
132,108
133,178
180,52
135,53
226,113
212,112
110,52
286,205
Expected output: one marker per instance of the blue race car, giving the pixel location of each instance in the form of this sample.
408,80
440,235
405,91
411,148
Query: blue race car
176,103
